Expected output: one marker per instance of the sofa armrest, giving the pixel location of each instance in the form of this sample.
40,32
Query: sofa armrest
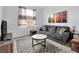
41,31
66,37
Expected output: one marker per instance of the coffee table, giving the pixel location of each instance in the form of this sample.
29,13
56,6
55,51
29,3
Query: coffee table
38,38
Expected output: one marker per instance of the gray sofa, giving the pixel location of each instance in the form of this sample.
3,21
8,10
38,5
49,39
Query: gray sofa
60,34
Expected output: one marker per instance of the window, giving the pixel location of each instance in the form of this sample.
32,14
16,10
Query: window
27,16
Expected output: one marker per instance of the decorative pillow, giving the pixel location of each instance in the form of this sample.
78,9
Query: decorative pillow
62,30
51,30
48,28
58,29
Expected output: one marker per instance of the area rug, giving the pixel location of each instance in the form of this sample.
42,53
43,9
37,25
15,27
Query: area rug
24,45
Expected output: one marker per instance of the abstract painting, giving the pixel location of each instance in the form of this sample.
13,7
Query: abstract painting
60,17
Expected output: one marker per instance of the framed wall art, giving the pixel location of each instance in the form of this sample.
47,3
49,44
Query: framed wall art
60,17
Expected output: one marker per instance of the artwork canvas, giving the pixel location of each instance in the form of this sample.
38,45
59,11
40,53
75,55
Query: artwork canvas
60,17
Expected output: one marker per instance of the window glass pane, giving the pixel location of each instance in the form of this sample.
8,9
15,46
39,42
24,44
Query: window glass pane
22,21
25,22
29,12
23,11
27,16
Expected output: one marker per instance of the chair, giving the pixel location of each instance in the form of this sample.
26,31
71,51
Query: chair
75,45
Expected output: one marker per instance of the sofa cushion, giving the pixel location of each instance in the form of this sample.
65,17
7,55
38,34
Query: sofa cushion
57,36
66,29
58,29
62,30
52,30
48,28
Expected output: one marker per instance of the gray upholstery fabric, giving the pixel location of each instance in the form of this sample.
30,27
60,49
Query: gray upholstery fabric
52,30
58,29
57,36
54,34
65,37
42,32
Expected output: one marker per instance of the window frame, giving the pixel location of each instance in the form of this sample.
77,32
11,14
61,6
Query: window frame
25,17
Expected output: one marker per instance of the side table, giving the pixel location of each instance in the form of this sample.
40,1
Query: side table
32,32
6,46
76,33
75,45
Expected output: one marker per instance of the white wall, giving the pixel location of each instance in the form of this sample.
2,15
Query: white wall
0,17
40,18
39,15
10,14
72,17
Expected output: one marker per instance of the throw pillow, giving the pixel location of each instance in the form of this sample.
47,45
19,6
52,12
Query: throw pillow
51,30
62,30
